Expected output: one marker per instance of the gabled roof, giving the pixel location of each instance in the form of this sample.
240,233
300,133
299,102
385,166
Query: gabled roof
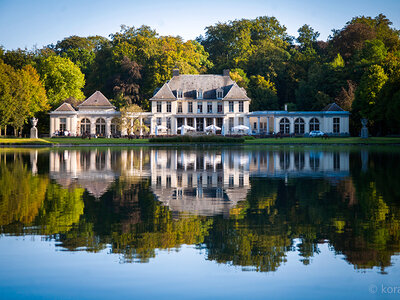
190,84
332,107
165,93
96,99
65,107
235,92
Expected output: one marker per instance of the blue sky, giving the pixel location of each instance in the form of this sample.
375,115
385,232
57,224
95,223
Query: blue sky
42,22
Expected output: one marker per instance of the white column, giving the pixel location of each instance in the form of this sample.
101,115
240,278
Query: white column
267,125
258,125
92,126
140,125
195,123
204,124
108,128
214,121
51,126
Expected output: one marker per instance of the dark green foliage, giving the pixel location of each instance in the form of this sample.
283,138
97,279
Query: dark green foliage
198,139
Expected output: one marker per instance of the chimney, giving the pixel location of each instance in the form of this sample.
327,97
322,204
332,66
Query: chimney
175,72
285,107
225,72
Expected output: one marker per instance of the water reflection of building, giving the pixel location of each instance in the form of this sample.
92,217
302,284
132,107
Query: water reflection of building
206,183
95,170
201,182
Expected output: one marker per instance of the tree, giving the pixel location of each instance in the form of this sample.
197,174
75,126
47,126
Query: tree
62,79
8,89
130,119
307,36
30,98
346,96
240,77
127,82
350,39
262,93
368,94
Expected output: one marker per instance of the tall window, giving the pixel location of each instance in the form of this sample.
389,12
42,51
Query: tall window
219,107
336,125
115,127
220,122
241,106
284,126
100,127
314,124
158,121
189,122
209,107
230,106
63,124
168,106
241,121
85,126
230,123
299,126
199,107
180,94
179,107
159,106
190,107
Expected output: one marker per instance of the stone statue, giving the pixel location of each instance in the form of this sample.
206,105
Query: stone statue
364,129
34,131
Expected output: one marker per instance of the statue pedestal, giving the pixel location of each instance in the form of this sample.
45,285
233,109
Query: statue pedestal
364,129
34,133
364,133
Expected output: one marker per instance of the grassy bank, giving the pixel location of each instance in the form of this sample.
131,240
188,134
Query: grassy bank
202,139
331,140
23,141
103,141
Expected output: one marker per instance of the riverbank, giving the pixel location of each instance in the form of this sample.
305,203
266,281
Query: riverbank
51,142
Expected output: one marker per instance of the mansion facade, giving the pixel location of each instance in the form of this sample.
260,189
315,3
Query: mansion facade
195,102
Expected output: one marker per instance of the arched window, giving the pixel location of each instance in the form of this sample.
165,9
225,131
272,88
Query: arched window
115,128
314,124
284,126
299,126
100,127
85,126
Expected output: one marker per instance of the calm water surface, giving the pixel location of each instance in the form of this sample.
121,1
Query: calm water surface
196,223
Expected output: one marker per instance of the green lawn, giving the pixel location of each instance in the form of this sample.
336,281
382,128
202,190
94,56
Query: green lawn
80,141
23,141
265,141
332,140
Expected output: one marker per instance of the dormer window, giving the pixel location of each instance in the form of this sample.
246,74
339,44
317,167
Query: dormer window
200,94
220,94
180,94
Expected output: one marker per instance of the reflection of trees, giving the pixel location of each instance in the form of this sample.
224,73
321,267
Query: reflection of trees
358,216
62,209
21,193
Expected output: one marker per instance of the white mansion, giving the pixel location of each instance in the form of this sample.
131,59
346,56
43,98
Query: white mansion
196,101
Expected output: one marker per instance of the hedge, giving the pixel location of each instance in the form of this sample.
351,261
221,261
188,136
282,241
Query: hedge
198,139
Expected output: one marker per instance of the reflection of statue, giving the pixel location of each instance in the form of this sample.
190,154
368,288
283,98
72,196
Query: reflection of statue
34,131
364,129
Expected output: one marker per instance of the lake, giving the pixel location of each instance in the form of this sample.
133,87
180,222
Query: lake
200,222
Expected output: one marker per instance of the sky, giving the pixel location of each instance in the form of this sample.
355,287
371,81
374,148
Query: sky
37,23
